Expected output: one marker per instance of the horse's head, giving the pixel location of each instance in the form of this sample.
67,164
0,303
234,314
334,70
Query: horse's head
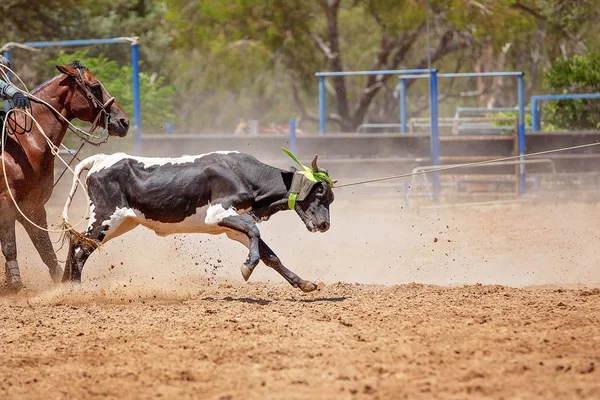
90,101
314,198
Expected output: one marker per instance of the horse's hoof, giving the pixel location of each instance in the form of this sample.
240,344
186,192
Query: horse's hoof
57,275
11,287
307,286
246,272
16,287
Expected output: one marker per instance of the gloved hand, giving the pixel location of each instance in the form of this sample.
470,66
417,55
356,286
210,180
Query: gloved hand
20,101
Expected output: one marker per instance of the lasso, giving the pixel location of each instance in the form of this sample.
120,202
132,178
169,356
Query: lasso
54,149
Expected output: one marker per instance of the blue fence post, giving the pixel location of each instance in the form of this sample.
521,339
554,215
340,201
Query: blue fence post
435,140
135,72
521,134
402,106
8,55
534,115
293,144
321,105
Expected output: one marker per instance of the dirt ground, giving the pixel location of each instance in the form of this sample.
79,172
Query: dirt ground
479,302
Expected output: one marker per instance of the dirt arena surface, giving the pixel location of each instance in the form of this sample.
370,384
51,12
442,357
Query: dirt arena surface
506,304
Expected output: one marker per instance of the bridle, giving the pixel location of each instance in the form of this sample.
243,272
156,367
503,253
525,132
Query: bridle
87,136
104,110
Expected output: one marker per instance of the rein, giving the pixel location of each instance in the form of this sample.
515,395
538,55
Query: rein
88,137
98,104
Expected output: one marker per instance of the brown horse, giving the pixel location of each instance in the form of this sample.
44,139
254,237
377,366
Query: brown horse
76,94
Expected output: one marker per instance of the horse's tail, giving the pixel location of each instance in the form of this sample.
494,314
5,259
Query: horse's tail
84,165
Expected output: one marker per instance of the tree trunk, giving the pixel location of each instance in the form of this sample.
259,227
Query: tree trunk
335,60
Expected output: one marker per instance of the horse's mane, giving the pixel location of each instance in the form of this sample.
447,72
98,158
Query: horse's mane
74,64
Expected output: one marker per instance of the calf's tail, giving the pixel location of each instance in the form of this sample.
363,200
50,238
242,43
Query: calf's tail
84,165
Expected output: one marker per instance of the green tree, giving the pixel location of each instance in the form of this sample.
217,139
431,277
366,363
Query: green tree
52,20
578,74
156,96
246,42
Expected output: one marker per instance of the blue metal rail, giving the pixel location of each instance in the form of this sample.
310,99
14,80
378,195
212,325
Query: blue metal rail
323,75
480,74
433,76
84,42
382,72
534,101
433,91
521,108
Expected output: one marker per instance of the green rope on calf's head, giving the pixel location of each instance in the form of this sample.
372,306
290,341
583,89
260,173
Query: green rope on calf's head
292,200
312,174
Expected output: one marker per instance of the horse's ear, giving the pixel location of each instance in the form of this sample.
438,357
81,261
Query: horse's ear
67,70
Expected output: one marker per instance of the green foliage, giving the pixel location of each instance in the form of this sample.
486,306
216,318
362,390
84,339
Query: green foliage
156,96
579,74
509,114
255,59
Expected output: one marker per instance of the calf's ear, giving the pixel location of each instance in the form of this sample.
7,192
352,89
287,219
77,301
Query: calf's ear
314,163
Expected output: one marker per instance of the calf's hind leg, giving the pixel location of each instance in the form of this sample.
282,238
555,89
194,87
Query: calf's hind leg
81,246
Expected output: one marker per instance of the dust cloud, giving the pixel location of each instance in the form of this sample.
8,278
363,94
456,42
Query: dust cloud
375,238
371,241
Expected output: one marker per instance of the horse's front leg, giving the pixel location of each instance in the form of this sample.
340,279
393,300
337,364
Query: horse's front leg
8,241
41,241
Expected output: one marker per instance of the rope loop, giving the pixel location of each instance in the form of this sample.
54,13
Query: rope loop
53,148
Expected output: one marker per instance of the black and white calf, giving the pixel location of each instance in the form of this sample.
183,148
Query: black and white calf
221,192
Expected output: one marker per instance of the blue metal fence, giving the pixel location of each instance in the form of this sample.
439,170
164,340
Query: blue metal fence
433,76
426,73
535,99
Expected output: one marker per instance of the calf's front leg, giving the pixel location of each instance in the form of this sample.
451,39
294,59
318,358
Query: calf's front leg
246,227
270,259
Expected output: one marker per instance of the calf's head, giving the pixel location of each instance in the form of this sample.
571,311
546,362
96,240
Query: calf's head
311,195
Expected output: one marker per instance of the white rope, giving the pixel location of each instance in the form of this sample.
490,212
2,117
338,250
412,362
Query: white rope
473,164
54,149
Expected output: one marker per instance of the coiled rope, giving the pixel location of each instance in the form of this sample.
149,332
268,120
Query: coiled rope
54,149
